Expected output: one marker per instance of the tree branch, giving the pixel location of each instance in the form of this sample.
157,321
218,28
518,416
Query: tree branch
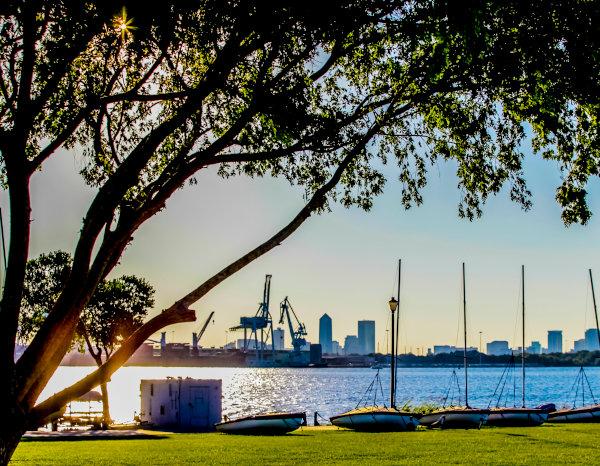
173,315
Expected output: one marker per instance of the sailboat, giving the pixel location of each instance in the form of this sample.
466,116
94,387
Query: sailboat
456,417
265,424
380,418
590,413
518,416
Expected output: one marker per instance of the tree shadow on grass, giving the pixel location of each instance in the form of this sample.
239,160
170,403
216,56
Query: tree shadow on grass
90,435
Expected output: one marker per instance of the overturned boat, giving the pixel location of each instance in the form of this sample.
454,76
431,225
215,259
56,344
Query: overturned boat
583,414
375,418
455,417
263,424
517,417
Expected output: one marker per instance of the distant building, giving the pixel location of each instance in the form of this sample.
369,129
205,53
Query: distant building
251,344
305,346
555,341
366,336
278,339
316,354
351,345
535,348
325,333
335,347
441,349
591,340
229,346
579,345
497,348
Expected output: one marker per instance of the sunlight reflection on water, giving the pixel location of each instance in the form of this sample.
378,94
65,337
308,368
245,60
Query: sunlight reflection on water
326,390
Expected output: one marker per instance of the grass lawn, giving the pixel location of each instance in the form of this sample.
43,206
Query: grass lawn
548,444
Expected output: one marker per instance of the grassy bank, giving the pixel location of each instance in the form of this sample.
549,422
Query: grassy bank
550,444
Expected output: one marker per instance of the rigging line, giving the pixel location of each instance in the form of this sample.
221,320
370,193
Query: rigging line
381,388
457,387
577,388
570,391
450,387
589,386
3,242
587,305
517,317
502,392
493,397
367,392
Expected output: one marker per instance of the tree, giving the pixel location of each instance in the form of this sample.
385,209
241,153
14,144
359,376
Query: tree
117,308
318,93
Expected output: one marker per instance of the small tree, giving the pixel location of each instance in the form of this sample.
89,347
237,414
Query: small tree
117,308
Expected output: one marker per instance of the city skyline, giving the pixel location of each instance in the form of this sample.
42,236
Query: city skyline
319,268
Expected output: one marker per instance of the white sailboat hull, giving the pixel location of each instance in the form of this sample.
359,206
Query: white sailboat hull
516,417
376,420
271,424
455,419
585,414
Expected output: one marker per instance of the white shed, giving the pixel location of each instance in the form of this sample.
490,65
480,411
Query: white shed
182,404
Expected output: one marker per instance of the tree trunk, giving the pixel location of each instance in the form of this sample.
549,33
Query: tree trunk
12,428
106,420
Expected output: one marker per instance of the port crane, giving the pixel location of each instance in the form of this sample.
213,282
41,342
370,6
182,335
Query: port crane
261,321
196,336
297,334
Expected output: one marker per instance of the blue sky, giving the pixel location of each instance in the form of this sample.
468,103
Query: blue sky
344,262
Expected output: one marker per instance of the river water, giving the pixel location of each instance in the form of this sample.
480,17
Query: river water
333,390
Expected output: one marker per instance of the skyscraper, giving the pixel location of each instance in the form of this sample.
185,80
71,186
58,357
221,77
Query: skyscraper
351,345
325,332
554,341
591,340
366,336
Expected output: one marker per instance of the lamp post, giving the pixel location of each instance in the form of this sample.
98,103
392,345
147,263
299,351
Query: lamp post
393,303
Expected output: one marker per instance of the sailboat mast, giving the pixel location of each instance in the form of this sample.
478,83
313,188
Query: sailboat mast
465,335
397,330
523,340
595,309
392,368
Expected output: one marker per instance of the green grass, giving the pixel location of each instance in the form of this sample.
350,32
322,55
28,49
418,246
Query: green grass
548,444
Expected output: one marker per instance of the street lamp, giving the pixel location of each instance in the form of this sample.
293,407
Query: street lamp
393,303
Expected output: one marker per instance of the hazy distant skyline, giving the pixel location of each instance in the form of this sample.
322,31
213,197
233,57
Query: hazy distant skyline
344,262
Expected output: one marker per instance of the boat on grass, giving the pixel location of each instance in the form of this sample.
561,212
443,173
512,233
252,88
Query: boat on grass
589,413
516,416
263,424
458,417
455,417
376,418
582,414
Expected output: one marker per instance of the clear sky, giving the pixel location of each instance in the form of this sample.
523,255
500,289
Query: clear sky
344,262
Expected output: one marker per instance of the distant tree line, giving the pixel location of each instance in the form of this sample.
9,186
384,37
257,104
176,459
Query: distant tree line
581,358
